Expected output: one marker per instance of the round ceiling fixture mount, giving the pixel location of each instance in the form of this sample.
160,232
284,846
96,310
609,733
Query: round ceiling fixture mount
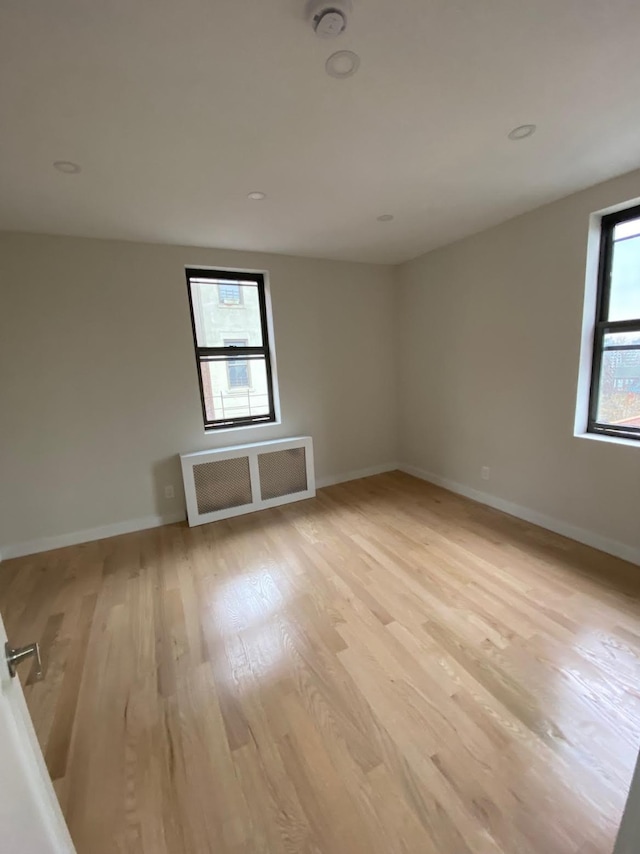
67,167
256,196
521,132
385,217
329,18
342,63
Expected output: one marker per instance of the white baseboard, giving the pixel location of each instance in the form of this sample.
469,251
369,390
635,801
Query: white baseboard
355,475
45,544
588,538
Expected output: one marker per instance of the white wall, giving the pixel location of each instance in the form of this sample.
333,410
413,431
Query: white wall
98,385
490,331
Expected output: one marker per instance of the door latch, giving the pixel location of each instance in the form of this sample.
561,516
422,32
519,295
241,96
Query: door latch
15,656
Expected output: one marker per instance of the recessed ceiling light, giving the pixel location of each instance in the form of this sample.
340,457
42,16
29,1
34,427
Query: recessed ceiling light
522,132
342,63
67,167
385,218
256,196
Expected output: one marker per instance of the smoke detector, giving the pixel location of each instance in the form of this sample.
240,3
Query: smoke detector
329,18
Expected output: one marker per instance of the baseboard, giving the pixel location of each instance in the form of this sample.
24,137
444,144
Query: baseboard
45,544
588,538
355,475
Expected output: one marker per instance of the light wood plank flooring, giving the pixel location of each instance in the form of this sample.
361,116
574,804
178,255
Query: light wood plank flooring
386,668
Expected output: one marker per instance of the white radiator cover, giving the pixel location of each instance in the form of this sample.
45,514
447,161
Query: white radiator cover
241,479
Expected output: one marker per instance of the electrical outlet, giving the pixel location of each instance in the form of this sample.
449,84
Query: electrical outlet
169,491
485,472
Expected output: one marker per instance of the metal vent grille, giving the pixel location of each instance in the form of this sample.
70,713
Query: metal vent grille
222,484
282,473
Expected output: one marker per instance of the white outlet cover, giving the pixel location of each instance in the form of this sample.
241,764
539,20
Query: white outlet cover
169,491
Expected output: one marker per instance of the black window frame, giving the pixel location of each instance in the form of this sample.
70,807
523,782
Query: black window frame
208,354
604,326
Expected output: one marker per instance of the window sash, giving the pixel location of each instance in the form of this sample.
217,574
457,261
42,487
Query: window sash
228,353
602,427
241,420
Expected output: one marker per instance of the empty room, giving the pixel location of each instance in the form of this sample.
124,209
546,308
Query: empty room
319,427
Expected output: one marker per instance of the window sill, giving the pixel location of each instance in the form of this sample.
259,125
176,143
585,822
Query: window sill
216,431
613,440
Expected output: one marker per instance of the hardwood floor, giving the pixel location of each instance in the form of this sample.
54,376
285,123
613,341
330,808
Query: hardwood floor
385,668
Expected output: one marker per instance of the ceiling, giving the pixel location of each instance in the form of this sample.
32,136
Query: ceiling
176,109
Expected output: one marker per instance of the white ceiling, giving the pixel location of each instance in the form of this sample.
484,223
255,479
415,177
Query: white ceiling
176,109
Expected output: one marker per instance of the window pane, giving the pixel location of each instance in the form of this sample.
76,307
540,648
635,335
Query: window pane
226,309
619,400
624,302
225,398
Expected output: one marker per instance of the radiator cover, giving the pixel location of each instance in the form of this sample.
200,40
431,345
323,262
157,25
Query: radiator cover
244,478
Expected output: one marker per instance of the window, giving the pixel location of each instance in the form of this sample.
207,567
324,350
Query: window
614,407
232,347
237,369
229,294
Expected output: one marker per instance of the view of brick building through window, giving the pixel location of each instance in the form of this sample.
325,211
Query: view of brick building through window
619,389
227,314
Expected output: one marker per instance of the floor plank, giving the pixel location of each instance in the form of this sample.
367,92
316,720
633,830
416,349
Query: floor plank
385,668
